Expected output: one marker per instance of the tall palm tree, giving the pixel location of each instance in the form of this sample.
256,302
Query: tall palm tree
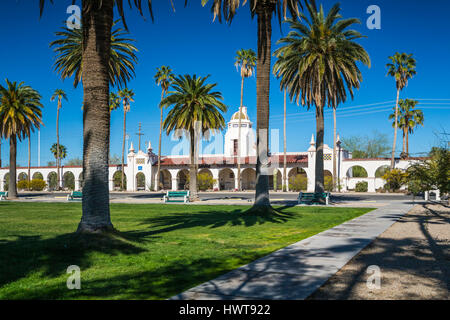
20,114
246,61
69,51
59,94
97,20
408,119
317,62
402,67
58,151
163,78
334,181
264,10
126,95
196,109
284,144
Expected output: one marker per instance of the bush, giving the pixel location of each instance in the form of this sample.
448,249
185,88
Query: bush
204,181
22,185
395,179
362,186
37,184
328,183
298,183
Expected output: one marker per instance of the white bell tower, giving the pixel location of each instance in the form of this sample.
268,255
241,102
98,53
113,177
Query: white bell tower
248,141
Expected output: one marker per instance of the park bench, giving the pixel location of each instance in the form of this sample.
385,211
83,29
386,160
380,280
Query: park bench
176,196
3,195
312,197
75,195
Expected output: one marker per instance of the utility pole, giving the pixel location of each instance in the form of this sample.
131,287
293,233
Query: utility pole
140,134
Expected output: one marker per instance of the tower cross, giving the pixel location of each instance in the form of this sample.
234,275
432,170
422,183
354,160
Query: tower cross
140,134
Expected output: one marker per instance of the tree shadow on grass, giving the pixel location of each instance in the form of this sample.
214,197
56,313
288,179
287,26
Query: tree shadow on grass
206,219
52,256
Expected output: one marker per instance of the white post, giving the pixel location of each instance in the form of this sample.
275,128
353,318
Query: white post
438,195
427,195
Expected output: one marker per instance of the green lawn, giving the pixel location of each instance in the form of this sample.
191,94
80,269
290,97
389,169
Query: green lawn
163,249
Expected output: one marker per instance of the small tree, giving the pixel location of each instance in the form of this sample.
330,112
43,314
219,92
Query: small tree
395,179
298,183
432,174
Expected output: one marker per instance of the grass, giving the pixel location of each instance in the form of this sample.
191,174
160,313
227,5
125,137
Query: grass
162,250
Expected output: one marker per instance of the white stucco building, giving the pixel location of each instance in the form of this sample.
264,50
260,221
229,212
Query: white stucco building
141,167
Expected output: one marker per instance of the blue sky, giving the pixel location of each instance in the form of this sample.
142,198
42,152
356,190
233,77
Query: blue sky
189,42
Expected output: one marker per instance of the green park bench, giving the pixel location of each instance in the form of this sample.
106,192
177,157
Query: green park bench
75,195
3,195
312,197
176,196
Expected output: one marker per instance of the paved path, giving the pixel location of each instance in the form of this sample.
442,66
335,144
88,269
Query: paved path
296,271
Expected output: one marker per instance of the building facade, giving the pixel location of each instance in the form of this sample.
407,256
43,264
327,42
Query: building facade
140,170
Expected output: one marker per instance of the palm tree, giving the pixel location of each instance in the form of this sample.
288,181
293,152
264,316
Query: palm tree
59,152
246,61
196,109
317,62
164,78
408,119
284,144
20,113
69,51
58,94
126,95
114,101
97,20
402,68
334,150
264,10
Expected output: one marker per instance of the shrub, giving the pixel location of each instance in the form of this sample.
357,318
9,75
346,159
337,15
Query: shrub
298,183
328,183
362,186
22,185
395,179
37,184
204,181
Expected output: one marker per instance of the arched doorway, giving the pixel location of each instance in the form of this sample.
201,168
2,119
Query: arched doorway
328,180
52,181
165,180
6,182
248,179
37,176
182,179
140,181
22,176
356,172
68,180
381,171
80,181
226,179
275,180
297,179
117,180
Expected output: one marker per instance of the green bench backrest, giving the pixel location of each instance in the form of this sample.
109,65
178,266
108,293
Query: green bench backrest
3,193
77,194
177,193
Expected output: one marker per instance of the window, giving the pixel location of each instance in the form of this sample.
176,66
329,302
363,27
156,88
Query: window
235,146
235,125
243,125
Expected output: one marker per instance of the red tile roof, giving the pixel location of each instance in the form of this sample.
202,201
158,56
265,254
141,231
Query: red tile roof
215,160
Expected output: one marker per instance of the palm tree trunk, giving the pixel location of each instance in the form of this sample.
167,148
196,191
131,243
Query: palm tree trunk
404,142
334,150
284,146
123,148
12,187
97,23
395,131
319,185
239,136
407,143
58,176
29,161
0,152
193,196
263,70
159,144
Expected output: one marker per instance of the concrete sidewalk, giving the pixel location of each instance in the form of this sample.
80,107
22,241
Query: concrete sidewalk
296,271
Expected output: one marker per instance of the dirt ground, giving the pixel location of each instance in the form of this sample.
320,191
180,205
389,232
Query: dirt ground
413,257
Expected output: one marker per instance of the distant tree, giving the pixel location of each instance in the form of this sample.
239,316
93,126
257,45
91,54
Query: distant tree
367,147
51,163
126,95
59,94
115,159
62,152
74,162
